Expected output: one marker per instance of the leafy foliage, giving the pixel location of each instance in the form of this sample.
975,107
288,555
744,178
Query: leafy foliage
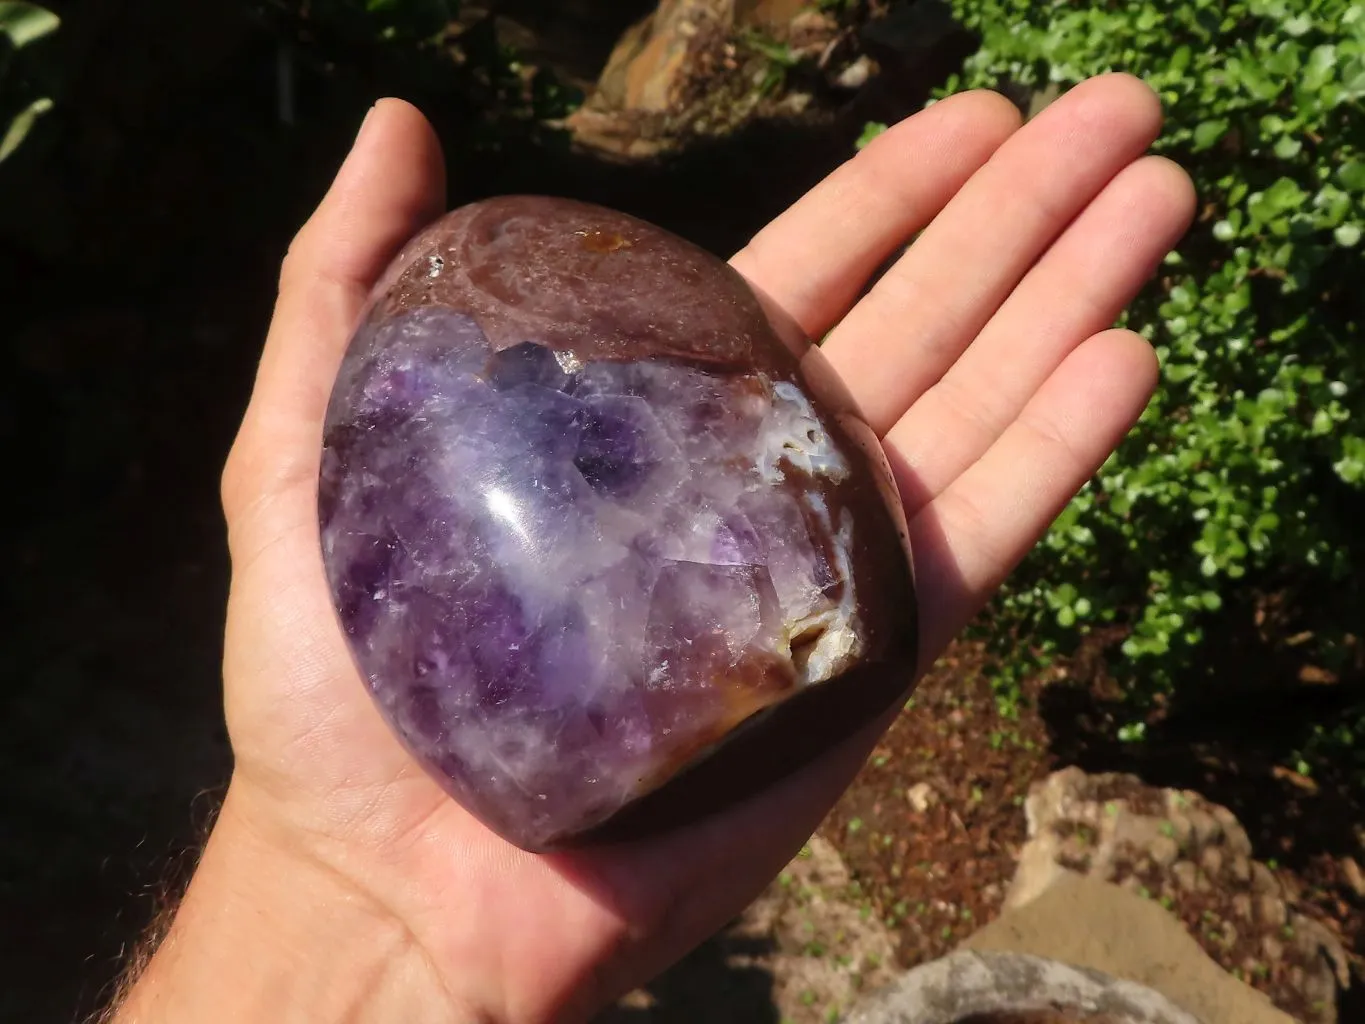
24,88
1246,471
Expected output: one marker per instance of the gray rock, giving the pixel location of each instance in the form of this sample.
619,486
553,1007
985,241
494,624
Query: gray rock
967,984
1096,925
1211,859
1186,875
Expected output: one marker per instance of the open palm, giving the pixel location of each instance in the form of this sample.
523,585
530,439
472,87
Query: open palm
983,360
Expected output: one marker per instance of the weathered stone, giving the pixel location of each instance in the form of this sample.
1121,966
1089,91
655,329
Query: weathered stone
921,797
857,74
648,70
1206,830
1098,926
773,15
1271,948
989,986
1188,847
1263,879
1164,851
1180,828
1270,910
1211,860
1321,945
1235,837
701,68
597,521
1186,876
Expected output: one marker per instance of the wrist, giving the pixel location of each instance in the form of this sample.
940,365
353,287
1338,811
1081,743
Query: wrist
265,934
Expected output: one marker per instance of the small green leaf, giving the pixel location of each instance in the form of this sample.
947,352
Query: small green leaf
1321,64
21,125
1134,732
1207,133
1287,148
870,131
1298,26
1351,175
26,23
1347,235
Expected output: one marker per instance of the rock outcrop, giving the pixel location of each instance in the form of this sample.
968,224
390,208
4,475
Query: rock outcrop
984,987
1192,857
702,67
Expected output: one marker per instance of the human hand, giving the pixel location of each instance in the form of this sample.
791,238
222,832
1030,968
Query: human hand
340,881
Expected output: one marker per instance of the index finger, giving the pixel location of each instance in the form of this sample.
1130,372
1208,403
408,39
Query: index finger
815,259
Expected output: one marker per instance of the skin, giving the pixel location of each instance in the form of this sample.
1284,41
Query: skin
339,883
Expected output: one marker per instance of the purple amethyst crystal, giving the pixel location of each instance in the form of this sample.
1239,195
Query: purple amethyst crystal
607,544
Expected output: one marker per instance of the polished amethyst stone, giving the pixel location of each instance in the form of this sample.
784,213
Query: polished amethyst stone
609,545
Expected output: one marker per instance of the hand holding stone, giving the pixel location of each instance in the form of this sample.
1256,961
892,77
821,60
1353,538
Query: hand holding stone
612,546
982,360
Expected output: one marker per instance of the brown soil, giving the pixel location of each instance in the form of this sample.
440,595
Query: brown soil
936,874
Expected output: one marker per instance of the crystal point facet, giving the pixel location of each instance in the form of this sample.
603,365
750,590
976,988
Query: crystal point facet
610,547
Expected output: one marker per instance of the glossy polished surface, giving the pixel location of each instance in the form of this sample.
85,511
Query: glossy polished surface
608,545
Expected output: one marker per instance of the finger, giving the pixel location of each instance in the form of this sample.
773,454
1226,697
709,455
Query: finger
973,535
1078,288
923,313
391,184
816,258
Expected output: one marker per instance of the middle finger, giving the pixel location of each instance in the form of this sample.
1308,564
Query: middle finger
924,312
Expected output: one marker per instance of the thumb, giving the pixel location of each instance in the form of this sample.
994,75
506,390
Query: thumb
391,184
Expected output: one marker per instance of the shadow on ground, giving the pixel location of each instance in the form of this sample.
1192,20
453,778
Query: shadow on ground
707,986
1231,737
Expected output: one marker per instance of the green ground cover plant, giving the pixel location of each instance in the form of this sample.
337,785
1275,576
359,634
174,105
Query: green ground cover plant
1244,477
